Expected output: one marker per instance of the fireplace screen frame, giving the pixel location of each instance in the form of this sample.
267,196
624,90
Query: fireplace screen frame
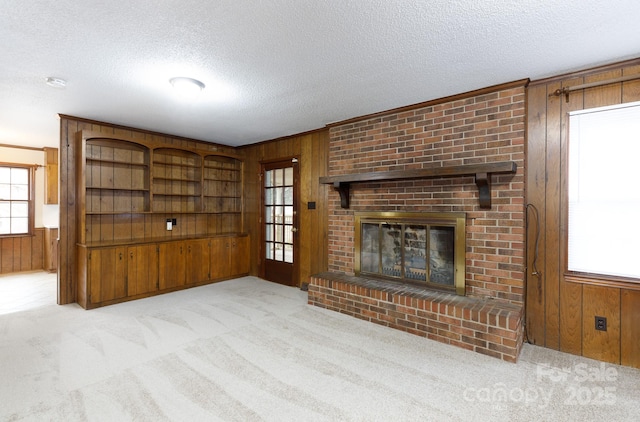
454,220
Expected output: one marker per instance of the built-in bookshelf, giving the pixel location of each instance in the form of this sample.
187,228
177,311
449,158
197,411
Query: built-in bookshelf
127,193
116,176
222,189
177,180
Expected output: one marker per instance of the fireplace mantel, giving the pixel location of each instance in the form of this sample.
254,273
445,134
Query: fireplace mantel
482,173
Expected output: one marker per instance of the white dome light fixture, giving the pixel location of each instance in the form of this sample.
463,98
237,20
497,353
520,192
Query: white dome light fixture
55,82
187,87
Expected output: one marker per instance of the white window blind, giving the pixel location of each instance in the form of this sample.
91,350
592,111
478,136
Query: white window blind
604,191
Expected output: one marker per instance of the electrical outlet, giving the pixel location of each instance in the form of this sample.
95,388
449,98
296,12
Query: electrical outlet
601,323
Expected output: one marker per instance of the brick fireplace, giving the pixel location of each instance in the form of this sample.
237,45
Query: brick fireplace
480,127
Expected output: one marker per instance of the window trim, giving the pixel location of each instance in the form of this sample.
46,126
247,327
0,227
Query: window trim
31,200
597,279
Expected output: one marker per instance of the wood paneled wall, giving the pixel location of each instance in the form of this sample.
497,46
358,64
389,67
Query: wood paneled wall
311,149
22,253
69,126
560,313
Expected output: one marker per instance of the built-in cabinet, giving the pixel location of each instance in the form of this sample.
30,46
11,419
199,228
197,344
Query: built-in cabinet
226,256
154,218
142,269
51,175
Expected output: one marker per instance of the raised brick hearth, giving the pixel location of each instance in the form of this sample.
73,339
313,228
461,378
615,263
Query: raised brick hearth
485,326
481,127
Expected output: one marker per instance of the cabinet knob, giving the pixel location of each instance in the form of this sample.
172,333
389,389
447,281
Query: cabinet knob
120,256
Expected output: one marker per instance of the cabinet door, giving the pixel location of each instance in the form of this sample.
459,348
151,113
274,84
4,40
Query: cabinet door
51,175
219,263
197,260
171,265
107,274
239,255
142,269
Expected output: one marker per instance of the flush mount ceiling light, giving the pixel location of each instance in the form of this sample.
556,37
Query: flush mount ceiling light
55,82
187,87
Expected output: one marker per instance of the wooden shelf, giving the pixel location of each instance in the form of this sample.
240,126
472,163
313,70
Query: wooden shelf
164,212
176,179
125,190
118,189
482,173
219,180
118,212
187,195
189,166
120,163
221,168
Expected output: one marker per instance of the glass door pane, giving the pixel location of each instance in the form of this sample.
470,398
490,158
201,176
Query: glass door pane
279,214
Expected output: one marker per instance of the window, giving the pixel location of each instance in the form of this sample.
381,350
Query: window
603,191
16,207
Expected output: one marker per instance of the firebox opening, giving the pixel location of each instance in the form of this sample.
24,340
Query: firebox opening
426,249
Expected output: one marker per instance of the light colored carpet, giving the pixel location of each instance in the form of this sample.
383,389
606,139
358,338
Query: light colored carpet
249,350
26,290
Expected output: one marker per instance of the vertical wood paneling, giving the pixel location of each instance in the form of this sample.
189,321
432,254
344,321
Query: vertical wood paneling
251,184
17,254
536,178
312,149
23,257
37,252
7,252
570,308
64,281
51,175
307,230
604,302
603,95
137,227
552,217
50,252
122,227
631,89
630,328
22,253
570,293
318,194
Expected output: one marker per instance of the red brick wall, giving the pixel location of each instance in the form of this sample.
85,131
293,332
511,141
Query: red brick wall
476,129
490,327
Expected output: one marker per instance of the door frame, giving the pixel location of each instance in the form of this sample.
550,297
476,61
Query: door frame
295,161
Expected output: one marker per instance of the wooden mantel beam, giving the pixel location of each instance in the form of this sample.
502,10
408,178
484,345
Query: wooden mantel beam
482,173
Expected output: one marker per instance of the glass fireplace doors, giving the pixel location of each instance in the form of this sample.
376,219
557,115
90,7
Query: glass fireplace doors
417,248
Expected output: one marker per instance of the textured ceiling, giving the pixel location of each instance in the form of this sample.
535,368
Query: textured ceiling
280,67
